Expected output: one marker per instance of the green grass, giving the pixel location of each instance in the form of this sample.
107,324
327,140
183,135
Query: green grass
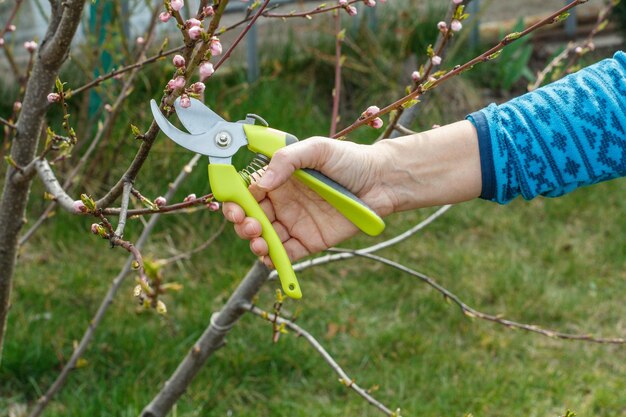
557,263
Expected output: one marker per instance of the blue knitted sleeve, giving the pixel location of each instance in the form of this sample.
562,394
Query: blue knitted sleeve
557,138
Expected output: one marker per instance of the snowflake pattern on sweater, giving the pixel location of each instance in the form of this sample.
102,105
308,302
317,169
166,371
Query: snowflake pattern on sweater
557,138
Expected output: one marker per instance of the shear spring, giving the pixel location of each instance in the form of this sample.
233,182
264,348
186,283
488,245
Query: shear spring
255,169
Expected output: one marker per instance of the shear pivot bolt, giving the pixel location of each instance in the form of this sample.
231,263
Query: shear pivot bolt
223,139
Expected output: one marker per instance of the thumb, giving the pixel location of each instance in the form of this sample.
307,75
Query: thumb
305,154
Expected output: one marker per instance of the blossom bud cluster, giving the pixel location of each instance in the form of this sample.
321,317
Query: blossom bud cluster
376,123
54,98
30,46
194,30
351,10
160,201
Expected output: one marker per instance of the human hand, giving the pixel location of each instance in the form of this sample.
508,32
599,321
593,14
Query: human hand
305,222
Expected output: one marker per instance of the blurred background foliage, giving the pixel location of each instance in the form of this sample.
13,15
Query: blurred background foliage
556,263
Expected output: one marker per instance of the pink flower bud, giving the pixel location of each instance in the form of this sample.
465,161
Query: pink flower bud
343,2
442,26
377,123
189,198
415,76
164,17
351,10
215,47
436,60
206,70
213,206
30,46
457,1
456,25
140,40
11,28
369,3
197,88
208,11
176,83
185,102
17,106
371,110
108,107
178,61
1,42
194,32
95,228
79,206
177,4
54,98
160,201
578,50
192,22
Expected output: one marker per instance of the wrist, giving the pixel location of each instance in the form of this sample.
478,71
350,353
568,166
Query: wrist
435,167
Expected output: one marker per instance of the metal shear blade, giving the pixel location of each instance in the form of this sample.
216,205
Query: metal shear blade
205,126
197,117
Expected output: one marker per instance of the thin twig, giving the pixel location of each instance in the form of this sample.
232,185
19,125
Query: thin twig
343,376
115,211
241,35
473,313
121,223
203,246
106,302
485,56
308,14
440,45
7,123
321,260
585,45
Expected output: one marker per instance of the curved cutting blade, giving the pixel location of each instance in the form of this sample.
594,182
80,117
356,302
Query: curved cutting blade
196,118
199,143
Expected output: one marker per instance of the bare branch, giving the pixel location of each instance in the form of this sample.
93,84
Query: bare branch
485,56
343,376
200,248
208,343
121,224
473,313
341,255
106,302
52,185
242,35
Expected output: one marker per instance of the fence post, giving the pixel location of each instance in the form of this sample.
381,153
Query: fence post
572,22
474,36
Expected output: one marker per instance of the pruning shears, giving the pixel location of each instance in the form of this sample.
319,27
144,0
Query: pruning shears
211,135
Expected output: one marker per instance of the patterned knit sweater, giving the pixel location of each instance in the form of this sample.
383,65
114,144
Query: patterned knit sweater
557,138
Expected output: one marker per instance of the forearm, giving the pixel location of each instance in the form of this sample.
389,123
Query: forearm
439,166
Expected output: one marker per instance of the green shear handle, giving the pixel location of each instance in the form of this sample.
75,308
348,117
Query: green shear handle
227,185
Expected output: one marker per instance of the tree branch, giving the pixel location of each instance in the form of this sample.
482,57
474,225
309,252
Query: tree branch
473,313
343,376
106,302
486,56
208,343
321,260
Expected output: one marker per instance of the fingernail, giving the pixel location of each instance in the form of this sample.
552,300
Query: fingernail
249,229
267,180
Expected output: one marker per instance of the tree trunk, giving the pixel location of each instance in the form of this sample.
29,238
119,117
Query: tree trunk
52,52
